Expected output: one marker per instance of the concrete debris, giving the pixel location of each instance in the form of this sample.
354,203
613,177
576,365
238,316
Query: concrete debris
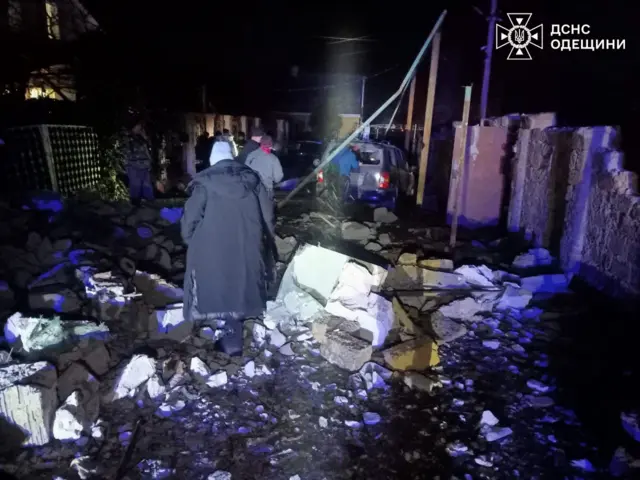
137,371
42,333
345,350
356,232
285,247
437,264
535,257
419,381
28,402
352,299
418,354
421,359
69,420
382,215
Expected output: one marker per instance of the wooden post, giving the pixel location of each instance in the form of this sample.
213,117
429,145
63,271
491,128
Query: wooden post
408,126
428,117
459,168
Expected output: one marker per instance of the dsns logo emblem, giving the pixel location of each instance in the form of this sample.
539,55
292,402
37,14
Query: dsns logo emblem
519,36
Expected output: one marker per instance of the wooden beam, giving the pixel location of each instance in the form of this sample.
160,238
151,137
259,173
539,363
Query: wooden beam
408,126
428,117
458,170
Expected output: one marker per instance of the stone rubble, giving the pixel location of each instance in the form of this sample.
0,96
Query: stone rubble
385,370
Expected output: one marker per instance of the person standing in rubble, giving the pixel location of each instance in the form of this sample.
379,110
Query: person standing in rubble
266,164
251,145
227,226
136,151
338,172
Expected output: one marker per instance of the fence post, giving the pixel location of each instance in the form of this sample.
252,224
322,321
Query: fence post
48,155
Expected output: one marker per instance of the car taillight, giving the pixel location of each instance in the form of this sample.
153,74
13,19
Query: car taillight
320,177
383,181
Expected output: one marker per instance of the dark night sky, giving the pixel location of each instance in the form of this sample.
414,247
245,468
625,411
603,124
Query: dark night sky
244,51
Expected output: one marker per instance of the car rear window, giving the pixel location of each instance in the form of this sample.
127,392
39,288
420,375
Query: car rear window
370,157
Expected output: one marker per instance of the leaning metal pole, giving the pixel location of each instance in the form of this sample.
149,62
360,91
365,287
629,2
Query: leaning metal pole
365,124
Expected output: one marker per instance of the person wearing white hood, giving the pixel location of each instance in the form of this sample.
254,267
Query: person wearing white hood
228,227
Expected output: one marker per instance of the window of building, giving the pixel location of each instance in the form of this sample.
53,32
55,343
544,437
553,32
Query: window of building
15,15
53,20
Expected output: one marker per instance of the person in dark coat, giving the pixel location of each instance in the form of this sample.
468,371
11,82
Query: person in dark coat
251,145
228,228
136,150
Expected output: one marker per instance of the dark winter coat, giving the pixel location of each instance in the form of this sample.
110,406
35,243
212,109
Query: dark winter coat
249,147
228,228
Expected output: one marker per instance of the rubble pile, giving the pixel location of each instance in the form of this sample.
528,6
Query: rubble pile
388,365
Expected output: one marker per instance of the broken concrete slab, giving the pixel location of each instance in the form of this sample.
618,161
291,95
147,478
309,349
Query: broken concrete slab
468,308
513,297
137,371
409,277
446,329
41,333
436,264
382,215
479,276
69,421
373,247
402,317
316,270
27,403
157,291
356,232
171,324
418,354
345,350
324,323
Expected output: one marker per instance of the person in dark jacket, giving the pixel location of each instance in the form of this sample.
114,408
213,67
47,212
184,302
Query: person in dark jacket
251,145
137,154
228,228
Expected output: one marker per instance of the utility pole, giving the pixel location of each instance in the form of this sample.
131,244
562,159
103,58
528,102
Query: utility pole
428,117
364,82
409,124
488,51
459,167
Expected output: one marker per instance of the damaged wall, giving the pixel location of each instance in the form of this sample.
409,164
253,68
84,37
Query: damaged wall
570,194
480,195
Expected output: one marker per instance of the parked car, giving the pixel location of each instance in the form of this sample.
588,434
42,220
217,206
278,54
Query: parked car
299,162
383,177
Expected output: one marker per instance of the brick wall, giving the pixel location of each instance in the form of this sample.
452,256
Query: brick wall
570,194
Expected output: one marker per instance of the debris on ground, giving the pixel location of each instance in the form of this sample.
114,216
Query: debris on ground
388,371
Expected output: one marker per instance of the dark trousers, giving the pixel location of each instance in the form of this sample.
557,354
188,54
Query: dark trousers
140,186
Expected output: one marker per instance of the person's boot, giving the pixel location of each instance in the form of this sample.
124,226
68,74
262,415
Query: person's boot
233,342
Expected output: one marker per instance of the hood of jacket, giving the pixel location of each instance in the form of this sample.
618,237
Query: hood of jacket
227,178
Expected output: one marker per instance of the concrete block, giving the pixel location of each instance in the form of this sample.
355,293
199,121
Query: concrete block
345,350
418,354
139,369
324,323
436,264
27,403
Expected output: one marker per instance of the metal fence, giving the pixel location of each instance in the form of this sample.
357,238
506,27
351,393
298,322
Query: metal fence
62,158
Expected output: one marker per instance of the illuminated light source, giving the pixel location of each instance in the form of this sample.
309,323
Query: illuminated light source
320,177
